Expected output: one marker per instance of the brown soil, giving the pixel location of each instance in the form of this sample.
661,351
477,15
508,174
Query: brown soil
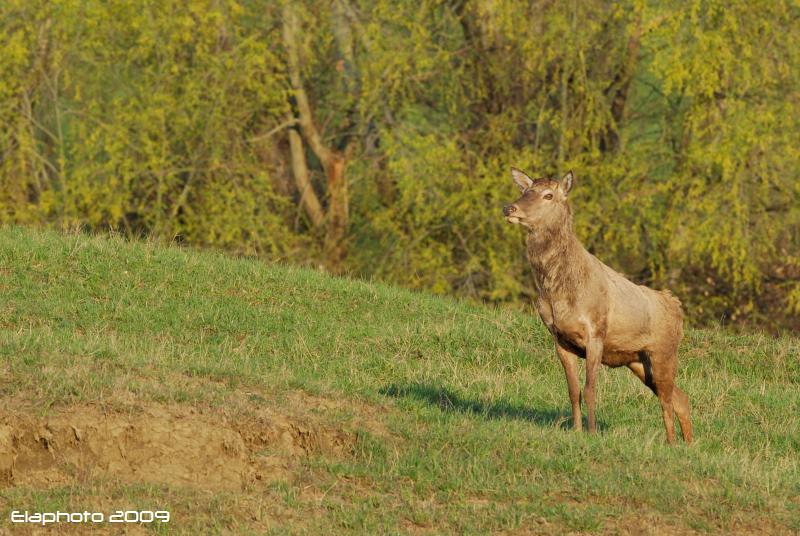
158,444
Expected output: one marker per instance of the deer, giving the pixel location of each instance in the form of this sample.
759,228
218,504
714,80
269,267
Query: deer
592,311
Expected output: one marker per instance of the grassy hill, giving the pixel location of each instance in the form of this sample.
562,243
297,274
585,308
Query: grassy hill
248,398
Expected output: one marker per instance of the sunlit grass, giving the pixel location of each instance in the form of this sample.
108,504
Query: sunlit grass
473,399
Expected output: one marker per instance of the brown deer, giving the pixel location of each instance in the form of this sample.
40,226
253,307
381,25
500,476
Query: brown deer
594,312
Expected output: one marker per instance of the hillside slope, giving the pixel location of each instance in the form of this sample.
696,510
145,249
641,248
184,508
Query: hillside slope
251,398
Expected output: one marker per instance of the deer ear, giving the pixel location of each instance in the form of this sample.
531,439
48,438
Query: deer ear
522,181
566,182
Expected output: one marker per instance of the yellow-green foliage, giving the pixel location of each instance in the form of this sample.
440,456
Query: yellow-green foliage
680,120
139,116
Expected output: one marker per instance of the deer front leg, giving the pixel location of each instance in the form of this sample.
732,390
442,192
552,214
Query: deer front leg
594,355
570,363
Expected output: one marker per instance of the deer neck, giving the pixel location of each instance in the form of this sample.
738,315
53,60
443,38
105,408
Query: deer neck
558,260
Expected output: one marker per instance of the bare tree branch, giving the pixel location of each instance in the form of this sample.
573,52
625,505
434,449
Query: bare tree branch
305,120
308,198
288,123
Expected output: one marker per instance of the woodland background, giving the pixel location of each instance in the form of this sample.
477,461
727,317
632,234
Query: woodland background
374,137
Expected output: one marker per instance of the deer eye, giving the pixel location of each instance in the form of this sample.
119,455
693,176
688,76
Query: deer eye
548,196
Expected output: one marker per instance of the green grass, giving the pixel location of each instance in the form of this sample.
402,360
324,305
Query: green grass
472,399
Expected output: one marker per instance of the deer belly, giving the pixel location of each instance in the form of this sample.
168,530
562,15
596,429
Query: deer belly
618,358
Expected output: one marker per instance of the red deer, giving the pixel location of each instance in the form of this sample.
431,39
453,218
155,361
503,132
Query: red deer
594,312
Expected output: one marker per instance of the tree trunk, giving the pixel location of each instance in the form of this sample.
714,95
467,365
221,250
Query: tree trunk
333,161
338,210
308,198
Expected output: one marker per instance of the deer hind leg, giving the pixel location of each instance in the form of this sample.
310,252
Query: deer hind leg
664,393
662,383
681,404
664,372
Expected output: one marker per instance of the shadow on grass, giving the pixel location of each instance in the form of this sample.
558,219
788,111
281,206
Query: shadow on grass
450,402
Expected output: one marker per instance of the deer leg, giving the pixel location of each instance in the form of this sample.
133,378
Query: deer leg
643,372
570,363
664,394
664,389
594,354
681,404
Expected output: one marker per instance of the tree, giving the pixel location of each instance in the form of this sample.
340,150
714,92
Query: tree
332,159
375,136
